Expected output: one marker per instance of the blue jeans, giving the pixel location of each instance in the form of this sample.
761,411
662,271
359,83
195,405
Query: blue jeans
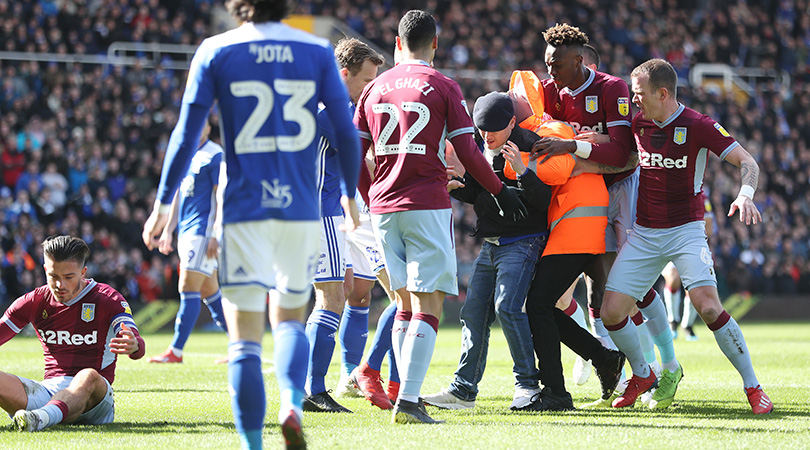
499,280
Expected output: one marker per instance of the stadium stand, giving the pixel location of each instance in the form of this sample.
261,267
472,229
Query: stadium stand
82,143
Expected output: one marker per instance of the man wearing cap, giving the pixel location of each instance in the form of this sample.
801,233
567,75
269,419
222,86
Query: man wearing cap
501,274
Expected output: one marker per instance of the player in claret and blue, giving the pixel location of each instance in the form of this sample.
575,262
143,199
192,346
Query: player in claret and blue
83,326
674,144
268,79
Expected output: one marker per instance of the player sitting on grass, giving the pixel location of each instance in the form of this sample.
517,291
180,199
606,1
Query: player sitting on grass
83,326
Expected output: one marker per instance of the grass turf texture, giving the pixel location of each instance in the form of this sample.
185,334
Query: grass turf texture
181,406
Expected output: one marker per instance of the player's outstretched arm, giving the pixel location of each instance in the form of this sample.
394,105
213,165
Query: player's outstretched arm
749,177
588,166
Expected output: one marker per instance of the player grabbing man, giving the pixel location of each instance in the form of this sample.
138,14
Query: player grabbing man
83,326
193,209
598,106
268,79
358,66
407,113
673,143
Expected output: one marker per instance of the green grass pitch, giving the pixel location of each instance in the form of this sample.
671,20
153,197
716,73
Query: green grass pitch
187,406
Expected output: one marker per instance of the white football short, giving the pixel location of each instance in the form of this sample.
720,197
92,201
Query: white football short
419,249
258,256
648,250
191,250
621,211
41,392
332,256
366,258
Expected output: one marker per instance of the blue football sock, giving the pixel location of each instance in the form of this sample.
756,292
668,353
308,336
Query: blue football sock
353,334
290,355
247,391
381,342
320,332
186,318
393,373
214,304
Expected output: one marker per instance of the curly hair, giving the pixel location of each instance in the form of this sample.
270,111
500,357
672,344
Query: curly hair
258,10
565,34
351,53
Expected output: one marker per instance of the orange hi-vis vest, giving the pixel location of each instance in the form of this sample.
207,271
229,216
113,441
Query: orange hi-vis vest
577,214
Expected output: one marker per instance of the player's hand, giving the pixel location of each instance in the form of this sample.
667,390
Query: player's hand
511,153
165,242
552,146
125,343
454,180
351,214
212,250
748,210
510,204
593,137
153,227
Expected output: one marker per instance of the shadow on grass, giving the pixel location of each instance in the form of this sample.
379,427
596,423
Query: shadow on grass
716,412
156,427
164,390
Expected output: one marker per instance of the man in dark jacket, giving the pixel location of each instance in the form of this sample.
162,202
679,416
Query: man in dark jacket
501,275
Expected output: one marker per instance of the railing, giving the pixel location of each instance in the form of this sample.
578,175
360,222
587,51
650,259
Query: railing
732,79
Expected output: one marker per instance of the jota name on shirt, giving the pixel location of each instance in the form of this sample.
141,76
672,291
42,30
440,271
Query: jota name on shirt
271,53
407,83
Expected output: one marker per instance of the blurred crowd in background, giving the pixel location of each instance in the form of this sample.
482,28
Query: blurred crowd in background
82,144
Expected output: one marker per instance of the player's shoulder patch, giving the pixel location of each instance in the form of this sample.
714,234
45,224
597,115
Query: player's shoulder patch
721,129
126,307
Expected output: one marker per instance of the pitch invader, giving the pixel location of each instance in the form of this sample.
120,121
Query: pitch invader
358,66
268,79
193,213
674,142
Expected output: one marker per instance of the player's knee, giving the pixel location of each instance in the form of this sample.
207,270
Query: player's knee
615,308
709,312
87,380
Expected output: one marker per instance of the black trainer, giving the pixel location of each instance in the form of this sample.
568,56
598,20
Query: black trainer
323,402
548,400
610,371
411,412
